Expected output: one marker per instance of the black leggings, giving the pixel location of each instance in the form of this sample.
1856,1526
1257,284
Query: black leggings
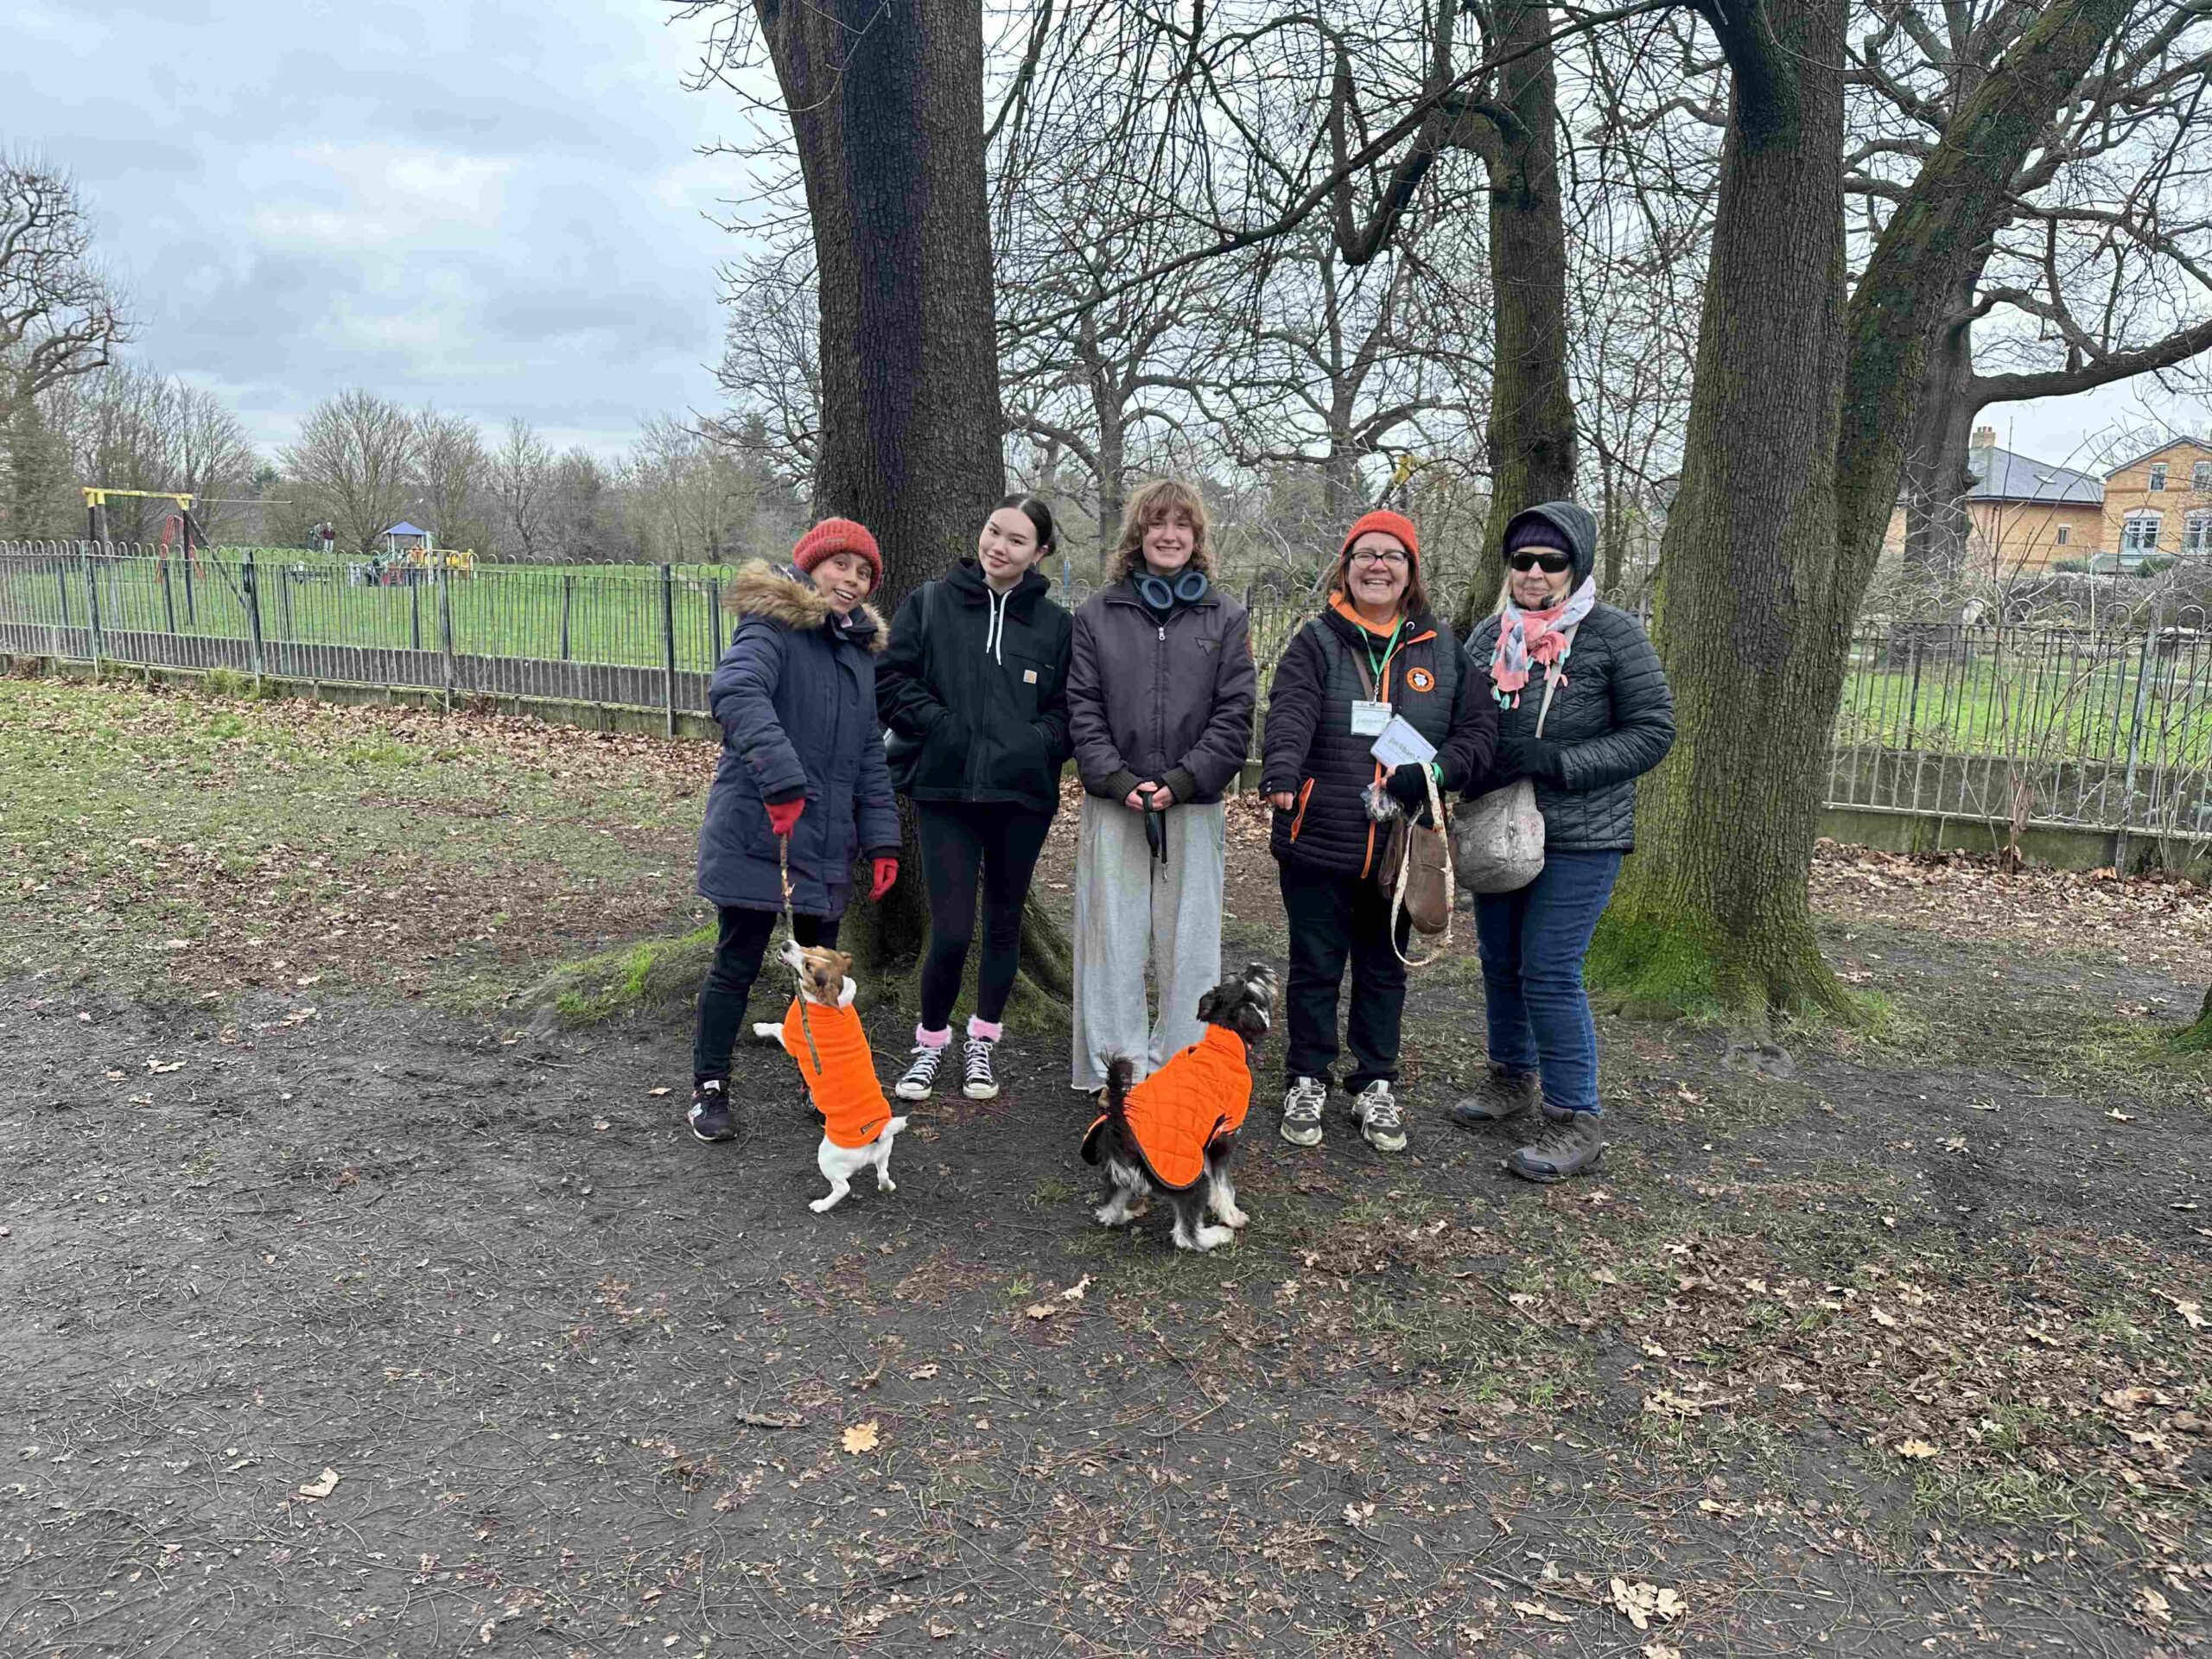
959,839
743,940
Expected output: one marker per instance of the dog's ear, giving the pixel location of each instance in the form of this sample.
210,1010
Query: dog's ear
842,967
1208,1004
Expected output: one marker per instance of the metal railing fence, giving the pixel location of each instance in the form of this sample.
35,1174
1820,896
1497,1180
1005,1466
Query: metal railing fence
2021,725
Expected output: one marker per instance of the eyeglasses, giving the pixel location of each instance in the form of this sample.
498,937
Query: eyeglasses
1378,555
1550,563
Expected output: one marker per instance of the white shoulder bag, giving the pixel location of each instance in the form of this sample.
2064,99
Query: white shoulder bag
1498,838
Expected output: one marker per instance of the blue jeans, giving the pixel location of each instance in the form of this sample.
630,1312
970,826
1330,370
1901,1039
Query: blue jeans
1532,942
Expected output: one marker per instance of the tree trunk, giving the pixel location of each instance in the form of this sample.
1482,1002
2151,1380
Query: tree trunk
1750,618
887,107
1112,460
1531,431
1935,485
1799,419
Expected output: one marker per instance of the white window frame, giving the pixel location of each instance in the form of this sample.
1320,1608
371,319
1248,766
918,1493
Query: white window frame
2065,535
2196,532
2133,539
2157,476
2200,477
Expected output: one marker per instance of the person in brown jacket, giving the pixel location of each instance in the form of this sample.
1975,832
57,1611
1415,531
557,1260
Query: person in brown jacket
1161,689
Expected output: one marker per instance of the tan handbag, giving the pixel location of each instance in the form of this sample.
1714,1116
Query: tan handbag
1414,872
1498,838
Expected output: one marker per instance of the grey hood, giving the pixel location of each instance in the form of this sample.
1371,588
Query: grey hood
1572,520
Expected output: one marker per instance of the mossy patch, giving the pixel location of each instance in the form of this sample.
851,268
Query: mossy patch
653,977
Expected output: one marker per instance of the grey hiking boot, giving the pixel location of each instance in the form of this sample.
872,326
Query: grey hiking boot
1500,1095
1567,1146
1301,1111
1376,1110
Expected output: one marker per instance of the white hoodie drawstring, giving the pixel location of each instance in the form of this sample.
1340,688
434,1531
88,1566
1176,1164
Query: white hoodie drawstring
994,630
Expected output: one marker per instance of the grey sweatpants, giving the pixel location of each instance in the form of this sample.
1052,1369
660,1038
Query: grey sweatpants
1127,908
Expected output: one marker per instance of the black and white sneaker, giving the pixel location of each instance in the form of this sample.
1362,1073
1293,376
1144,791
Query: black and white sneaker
920,1076
709,1115
1301,1111
1375,1109
977,1081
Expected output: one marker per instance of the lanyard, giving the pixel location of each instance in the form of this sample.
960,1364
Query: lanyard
1389,651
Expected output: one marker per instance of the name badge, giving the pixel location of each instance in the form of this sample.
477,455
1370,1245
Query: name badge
1029,676
1367,719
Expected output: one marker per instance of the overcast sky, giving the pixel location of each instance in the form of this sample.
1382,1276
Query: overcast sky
498,209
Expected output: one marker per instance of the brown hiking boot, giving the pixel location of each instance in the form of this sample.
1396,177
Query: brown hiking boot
1564,1148
1500,1095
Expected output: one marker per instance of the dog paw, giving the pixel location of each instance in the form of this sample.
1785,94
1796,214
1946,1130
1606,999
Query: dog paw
1109,1215
1214,1237
1234,1218
885,1183
820,1205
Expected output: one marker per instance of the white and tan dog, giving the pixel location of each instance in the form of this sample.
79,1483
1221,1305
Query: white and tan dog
823,1033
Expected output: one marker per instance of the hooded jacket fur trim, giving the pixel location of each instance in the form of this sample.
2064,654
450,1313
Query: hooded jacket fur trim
1201,1093
845,1092
777,593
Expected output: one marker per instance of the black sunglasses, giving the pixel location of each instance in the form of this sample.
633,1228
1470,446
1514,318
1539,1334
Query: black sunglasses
1550,562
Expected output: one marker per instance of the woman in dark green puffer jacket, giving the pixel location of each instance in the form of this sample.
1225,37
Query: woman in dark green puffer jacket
1612,720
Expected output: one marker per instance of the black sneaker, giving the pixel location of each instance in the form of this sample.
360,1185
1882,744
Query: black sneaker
1565,1149
710,1115
977,1081
921,1076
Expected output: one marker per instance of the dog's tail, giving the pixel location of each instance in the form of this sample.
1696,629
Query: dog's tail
1120,1073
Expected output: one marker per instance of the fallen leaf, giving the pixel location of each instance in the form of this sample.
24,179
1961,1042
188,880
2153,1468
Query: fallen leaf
164,1065
861,1437
2156,1604
1915,1450
323,1486
2193,1312
938,1632
923,1372
1887,1321
1537,1610
2118,1116
1040,1310
759,1419
1074,1292
602,1123
1661,1650
1641,1603
656,1093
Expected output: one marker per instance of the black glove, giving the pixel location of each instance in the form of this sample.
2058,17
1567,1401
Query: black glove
1529,757
1408,786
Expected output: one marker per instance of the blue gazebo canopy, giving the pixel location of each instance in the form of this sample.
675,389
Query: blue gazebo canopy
402,528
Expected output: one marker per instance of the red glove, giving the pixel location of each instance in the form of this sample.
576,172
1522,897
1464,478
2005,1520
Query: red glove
783,815
886,872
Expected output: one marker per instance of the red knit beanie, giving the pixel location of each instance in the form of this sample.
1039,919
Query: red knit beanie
834,536
1390,523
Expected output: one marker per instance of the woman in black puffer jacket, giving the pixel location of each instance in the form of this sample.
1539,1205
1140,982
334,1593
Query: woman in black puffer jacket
974,690
1612,720
1378,643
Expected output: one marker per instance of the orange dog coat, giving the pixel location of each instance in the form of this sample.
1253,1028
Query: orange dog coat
1175,1113
846,1093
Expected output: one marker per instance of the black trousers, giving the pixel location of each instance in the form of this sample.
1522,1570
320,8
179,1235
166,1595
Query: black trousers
961,840
742,942
1333,917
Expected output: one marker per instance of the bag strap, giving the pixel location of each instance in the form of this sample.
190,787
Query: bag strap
1551,681
1398,892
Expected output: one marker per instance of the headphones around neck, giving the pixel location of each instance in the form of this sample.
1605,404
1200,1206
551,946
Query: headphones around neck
1188,588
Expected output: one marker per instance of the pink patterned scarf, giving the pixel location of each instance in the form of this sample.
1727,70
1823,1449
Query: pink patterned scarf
1526,637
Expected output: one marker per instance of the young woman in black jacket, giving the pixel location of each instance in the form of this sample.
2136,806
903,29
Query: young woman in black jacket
1377,650
974,688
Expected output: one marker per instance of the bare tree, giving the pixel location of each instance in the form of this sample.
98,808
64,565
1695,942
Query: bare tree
689,500
355,461
522,478
131,429
452,469
60,316
771,369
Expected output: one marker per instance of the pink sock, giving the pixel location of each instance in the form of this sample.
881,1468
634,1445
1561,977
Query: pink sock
937,1039
989,1030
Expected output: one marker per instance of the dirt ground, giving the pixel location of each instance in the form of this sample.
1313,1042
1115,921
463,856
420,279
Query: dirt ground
346,1315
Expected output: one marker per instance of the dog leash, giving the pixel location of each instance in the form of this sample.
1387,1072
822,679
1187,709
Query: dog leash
784,861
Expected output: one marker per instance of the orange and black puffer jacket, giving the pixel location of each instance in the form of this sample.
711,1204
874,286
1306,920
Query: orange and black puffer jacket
1200,1094
845,1090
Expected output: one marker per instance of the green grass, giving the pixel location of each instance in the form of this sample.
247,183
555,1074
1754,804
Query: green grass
2029,701
179,840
